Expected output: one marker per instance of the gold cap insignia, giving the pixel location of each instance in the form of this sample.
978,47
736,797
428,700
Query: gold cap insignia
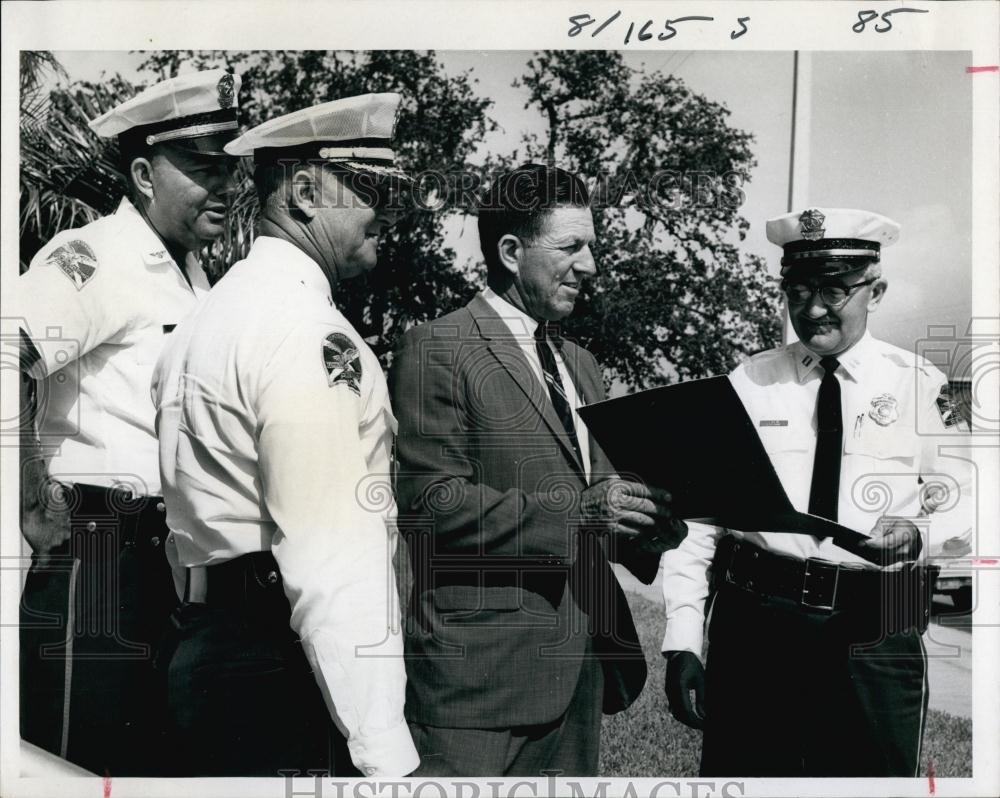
811,225
226,89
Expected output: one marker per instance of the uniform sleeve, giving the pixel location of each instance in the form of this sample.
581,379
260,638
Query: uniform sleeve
686,586
947,473
335,555
66,302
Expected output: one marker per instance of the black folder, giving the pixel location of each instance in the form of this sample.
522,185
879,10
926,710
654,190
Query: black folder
696,440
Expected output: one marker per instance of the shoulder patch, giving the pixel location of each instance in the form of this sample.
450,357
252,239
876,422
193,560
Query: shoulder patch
76,260
947,404
342,361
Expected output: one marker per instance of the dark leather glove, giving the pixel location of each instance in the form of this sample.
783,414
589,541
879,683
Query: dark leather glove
684,674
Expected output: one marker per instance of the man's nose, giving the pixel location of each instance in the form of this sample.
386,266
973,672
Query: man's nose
817,308
585,263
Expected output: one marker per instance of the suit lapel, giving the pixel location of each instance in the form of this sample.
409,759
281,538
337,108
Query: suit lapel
505,349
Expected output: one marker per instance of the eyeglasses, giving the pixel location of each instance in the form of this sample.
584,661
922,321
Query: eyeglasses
833,296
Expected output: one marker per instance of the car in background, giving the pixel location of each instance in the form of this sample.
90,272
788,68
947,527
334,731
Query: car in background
954,577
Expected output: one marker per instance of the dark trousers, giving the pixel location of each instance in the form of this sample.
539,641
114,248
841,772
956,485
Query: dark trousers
242,699
90,617
568,745
791,692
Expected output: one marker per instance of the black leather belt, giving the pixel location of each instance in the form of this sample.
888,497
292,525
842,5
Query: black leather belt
249,579
824,586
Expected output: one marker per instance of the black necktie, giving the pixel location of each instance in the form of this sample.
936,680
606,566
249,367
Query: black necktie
825,491
554,383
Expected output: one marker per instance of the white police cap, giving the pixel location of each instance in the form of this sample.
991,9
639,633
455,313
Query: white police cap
831,239
353,132
183,110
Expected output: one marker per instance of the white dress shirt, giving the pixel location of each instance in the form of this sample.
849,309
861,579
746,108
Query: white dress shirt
266,445
523,327
892,431
98,302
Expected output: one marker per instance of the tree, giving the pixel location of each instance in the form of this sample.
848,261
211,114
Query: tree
68,176
674,297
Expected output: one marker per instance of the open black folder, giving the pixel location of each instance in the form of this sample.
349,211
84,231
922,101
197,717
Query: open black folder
696,440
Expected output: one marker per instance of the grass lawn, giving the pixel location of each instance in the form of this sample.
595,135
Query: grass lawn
646,741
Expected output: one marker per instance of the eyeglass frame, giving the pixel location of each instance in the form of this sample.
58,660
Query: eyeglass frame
819,289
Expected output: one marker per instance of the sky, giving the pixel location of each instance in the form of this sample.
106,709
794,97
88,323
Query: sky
883,131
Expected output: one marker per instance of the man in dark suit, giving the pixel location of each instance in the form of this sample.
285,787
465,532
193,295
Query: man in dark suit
518,634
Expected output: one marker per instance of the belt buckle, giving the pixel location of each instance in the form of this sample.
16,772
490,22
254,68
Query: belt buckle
807,591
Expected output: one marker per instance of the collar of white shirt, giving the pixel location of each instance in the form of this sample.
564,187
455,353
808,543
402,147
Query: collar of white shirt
289,259
521,325
851,362
152,248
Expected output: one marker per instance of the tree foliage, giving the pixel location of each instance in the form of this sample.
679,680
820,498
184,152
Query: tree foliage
674,296
68,175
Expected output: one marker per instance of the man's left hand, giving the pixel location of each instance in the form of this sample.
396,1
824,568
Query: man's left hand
892,540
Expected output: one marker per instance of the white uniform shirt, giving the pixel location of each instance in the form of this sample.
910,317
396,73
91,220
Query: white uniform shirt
98,303
523,327
275,434
886,468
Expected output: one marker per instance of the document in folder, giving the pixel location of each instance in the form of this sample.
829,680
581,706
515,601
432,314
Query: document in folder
696,440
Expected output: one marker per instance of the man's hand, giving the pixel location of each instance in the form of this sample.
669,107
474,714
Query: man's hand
45,523
634,512
893,540
684,674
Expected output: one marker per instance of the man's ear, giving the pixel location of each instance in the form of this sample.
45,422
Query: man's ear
509,250
304,193
141,172
879,287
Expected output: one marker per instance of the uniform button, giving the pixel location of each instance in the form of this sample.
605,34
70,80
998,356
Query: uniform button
155,541
370,771
272,577
161,507
91,526
756,554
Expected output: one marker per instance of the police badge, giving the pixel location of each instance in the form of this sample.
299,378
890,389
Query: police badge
76,260
342,362
226,90
811,225
884,410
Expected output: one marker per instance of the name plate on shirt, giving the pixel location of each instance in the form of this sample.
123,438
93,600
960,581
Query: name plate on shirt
696,440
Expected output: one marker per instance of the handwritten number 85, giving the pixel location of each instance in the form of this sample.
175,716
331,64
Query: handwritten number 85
864,17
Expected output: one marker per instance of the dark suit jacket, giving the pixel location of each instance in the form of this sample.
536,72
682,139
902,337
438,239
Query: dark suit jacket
510,591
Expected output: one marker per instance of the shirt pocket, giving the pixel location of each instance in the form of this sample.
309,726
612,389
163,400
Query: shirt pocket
785,440
895,443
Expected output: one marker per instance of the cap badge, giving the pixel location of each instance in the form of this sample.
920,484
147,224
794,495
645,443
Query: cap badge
226,89
884,409
811,225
